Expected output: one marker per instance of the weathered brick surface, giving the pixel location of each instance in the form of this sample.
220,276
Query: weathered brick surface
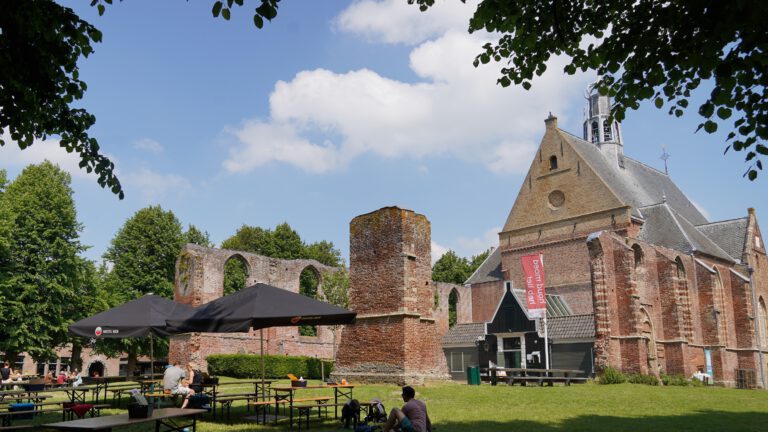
399,326
200,279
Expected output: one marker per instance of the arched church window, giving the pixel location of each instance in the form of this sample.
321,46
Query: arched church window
595,131
453,301
607,131
763,323
719,308
638,255
552,163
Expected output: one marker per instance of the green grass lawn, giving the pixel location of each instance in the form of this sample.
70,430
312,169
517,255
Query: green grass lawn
589,407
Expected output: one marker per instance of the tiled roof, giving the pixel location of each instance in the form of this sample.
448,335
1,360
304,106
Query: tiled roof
464,334
637,184
730,235
665,227
489,270
571,327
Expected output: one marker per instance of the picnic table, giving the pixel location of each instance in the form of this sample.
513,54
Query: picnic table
148,384
287,394
164,419
524,376
102,383
77,394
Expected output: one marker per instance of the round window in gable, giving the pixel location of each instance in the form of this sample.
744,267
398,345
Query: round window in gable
556,199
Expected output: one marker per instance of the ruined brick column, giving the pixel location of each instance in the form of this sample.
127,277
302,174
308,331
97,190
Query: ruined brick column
396,338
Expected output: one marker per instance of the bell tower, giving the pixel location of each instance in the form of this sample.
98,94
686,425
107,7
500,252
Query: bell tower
599,129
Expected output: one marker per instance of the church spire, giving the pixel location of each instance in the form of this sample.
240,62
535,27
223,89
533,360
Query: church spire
605,134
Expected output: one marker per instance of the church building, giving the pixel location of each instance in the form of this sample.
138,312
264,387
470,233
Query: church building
663,289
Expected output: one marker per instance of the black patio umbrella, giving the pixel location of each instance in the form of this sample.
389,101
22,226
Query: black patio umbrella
145,316
258,307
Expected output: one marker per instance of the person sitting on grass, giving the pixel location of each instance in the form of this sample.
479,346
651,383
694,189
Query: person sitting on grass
412,417
171,379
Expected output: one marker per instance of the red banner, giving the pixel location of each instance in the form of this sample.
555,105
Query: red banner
535,293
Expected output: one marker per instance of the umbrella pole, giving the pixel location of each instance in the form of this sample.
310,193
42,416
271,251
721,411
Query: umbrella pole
151,356
261,338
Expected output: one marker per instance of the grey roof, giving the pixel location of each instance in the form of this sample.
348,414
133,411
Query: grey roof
637,184
489,270
464,334
571,327
665,227
730,235
556,304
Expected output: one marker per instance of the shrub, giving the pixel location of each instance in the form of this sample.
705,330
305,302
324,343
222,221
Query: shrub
675,380
638,378
275,366
611,376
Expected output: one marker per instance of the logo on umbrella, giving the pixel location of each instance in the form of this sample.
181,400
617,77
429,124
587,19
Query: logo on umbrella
295,319
97,332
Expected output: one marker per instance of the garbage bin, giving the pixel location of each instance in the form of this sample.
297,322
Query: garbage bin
473,375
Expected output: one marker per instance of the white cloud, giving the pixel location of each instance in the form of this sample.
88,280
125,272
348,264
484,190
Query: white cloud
152,185
395,21
475,245
437,251
149,145
39,151
322,120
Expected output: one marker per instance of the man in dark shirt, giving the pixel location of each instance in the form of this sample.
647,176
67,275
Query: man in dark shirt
412,417
5,372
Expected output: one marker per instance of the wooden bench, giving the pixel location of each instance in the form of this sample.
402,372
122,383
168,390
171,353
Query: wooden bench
550,381
7,416
263,406
305,409
117,392
226,401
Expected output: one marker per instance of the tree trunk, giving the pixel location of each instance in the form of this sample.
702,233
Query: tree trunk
131,366
77,356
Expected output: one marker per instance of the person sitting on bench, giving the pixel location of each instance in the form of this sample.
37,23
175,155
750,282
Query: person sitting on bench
412,417
171,379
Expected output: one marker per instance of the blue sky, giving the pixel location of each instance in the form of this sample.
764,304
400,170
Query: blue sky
335,109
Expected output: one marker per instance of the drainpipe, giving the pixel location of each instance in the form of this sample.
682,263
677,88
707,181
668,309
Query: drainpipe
757,322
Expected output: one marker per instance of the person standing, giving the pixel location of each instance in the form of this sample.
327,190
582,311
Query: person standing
5,373
412,417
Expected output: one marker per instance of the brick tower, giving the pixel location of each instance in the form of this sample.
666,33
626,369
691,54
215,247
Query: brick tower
396,338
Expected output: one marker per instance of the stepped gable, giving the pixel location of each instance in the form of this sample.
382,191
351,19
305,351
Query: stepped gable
665,227
636,184
489,270
730,235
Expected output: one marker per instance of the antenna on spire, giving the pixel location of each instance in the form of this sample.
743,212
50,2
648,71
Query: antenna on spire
664,156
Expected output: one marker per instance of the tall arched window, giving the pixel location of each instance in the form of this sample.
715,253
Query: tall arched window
453,302
682,299
606,131
595,132
719,308
763,323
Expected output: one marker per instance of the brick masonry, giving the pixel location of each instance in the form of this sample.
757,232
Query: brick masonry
402,314
200,279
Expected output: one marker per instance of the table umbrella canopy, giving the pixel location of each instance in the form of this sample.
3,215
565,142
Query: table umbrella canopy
260,306
136,318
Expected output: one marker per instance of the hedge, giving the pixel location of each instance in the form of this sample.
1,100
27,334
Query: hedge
275,366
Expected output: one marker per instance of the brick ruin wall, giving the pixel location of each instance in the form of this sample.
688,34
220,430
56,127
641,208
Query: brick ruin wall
200,279
402,314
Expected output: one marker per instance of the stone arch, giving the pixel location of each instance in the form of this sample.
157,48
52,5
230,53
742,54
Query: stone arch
96,366
310,281
237,273
639,256
453,302
763,322
649,334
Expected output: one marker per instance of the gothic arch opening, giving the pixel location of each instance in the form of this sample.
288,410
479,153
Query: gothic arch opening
649,334
763,323
309,285
718,309
236,272
453,302
96,369
639,258
683,302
